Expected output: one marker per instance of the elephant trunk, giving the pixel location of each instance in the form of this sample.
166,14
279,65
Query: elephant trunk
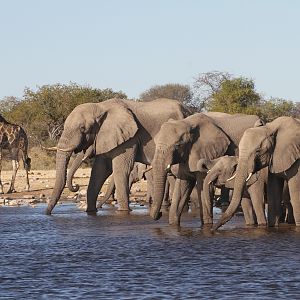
208,199
80,158
62,160
75,165
239,184
159,182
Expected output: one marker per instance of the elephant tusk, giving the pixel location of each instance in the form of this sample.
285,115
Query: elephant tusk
56,149
232,177
209,182
49,148
85,158
207,171
168,167
249,176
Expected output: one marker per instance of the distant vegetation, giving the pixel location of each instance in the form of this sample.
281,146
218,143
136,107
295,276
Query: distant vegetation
42,112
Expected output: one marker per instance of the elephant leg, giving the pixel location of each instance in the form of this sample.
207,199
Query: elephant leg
122,167
205,208
294,189
256,192
248,211
165,203
274,195
194,202
148,177
101,170
182,190
289,215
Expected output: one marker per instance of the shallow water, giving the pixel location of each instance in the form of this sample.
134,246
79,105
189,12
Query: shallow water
70,255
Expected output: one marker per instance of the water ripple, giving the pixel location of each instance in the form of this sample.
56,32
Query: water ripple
74,256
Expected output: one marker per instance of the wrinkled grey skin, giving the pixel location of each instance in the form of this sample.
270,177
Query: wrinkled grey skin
122,132
220,171
277,145
136,174
186,141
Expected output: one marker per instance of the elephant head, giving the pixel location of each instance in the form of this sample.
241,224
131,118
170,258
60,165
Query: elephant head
106,125
220,171
277,145
184,142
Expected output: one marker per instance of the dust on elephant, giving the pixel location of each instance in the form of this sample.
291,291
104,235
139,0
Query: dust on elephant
221,173
186,141
122,132
276,145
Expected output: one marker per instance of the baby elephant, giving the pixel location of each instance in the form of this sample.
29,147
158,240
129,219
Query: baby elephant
221,173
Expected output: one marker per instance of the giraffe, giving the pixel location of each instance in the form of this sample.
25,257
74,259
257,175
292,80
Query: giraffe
13,138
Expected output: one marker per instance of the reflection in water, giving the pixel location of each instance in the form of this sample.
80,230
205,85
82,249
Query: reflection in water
74,256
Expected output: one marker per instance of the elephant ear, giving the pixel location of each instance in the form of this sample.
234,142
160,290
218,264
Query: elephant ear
210,142
117,127
287,145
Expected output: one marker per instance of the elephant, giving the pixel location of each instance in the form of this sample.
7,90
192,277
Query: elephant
122,132
221,173
276,145
186,141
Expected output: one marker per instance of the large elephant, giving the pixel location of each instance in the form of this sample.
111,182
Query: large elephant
186,141
221,173
276,145
122,132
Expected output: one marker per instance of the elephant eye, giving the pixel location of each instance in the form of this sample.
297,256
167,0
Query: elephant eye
82,129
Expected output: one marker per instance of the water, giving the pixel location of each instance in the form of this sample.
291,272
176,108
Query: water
74,256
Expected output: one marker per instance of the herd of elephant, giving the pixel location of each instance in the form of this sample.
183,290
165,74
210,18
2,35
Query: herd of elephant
258,162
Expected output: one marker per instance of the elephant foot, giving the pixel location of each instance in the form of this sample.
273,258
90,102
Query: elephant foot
123,212
250,225
124,207
10,191
91,212
261,225
207,226
174,222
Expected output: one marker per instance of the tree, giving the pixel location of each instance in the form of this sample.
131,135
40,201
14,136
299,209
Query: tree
205,85
7,104
43,112
174,91
277,107
237,95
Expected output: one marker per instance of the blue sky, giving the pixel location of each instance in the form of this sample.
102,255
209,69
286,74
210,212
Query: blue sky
131,45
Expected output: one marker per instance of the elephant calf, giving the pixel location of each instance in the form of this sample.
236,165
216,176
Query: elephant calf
221,173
